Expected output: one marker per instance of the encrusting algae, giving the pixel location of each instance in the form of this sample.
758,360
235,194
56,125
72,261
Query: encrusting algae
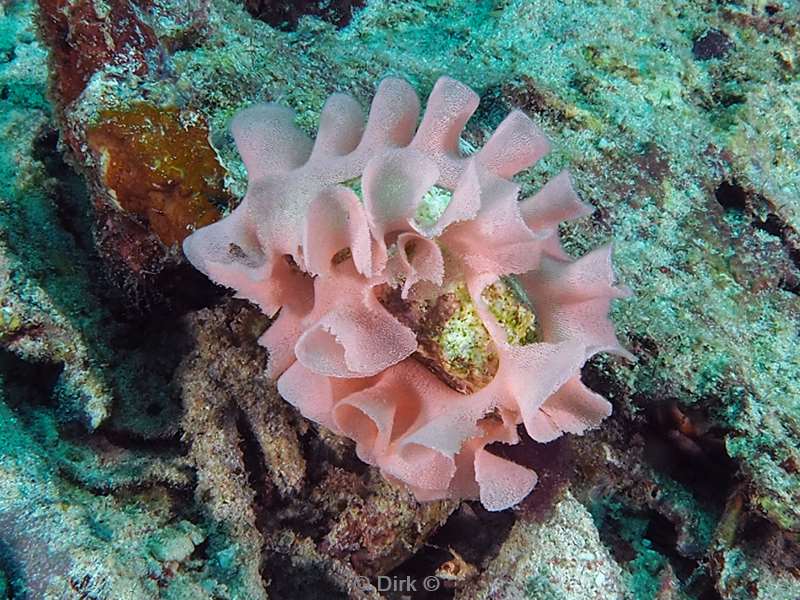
157,163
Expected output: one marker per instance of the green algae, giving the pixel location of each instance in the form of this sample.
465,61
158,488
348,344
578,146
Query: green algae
43,279
432,206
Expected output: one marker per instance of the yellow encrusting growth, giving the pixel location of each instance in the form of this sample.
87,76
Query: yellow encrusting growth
508,304
466,346
466,351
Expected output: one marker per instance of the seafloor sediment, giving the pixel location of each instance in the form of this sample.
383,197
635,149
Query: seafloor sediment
143,453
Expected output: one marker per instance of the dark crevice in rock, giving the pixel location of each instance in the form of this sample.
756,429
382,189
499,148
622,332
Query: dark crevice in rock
305,513
71,197
758,210
257,474
29,383
168,288
776,227
772,225
472,532
643,516
285,14
637,548
200,551
154,330
681,443
182,288
147,402
263,499
597,379
299,580
172,445
731,196
320,457
663,537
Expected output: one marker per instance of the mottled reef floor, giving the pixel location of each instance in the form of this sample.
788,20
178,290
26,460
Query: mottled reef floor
143,453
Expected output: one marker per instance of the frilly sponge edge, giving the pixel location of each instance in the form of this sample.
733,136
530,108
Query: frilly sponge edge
305,245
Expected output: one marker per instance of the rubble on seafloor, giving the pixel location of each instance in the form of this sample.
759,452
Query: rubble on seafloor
144,454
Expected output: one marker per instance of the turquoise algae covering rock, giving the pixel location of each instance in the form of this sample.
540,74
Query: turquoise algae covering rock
141,453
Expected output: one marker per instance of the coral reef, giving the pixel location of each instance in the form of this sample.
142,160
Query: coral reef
143,451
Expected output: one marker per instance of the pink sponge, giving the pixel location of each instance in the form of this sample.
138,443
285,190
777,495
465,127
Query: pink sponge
303,242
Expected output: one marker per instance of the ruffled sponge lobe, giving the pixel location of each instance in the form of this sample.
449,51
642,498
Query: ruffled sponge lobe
328,226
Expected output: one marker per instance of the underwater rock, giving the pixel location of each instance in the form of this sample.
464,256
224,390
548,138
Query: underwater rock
257,477
561,557
175,544
752,558
86,37
152,174
61,540
45,316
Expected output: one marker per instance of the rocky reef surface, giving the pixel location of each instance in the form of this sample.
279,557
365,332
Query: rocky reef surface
144,454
